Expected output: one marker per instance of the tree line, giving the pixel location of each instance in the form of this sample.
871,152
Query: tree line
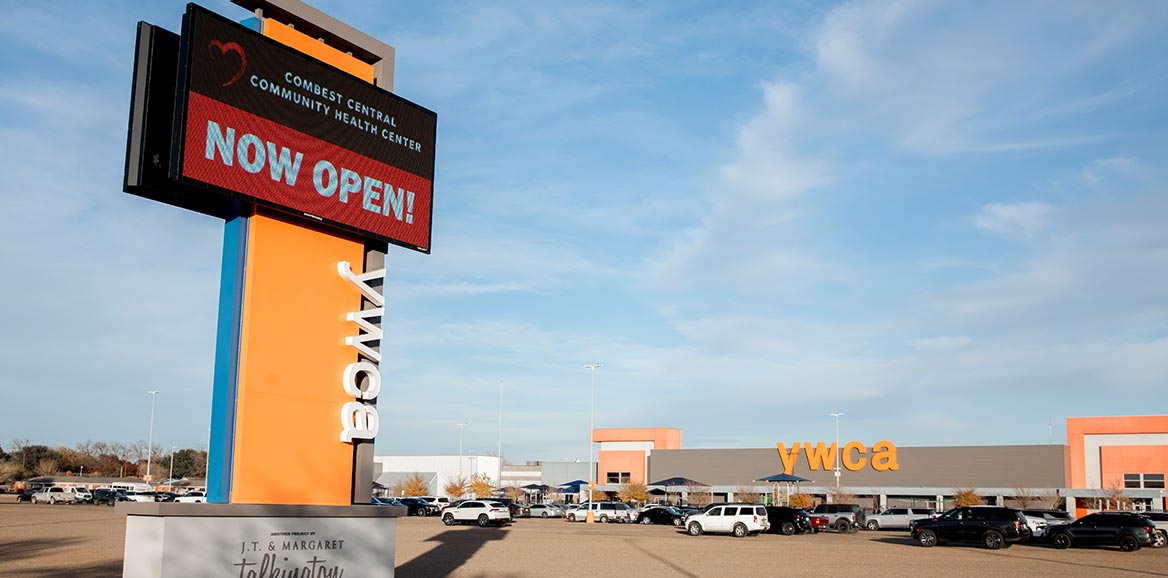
23,460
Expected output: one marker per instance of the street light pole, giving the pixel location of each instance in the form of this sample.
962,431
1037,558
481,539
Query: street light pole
150,438
591,426
837,452
460,425
171,474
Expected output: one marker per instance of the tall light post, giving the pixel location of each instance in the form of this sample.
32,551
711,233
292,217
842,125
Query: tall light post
171,474
499,450
460,426
591,426
150,438
837,452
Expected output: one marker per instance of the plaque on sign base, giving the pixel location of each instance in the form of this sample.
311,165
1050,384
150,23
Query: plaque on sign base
216,540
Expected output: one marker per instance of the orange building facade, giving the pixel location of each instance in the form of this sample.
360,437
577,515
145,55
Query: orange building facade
624,452
1112,455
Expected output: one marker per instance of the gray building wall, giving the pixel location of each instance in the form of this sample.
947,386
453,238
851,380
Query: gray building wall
556,473
1031,466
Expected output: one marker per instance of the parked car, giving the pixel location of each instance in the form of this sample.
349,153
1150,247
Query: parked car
386,502
661,515
519,510
25,496
191,498
896,518
56,495
418,507
841,517
993,526
603,512
1052,517
108,496
738,520
546,511
1160,520
1128,530
819,523
141,497
786,520
481,512
441,502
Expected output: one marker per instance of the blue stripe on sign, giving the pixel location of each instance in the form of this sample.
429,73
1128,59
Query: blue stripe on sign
227,339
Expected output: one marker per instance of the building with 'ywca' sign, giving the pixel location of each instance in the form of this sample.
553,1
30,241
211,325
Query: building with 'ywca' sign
1103,457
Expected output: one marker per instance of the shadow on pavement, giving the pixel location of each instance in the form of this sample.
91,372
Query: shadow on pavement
106,570
21,549
454,548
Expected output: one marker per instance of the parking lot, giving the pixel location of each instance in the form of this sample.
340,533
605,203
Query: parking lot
86,541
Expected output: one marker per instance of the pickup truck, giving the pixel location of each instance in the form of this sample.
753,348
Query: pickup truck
58,495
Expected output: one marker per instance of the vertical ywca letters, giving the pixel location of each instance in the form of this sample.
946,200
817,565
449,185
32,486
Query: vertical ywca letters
362,379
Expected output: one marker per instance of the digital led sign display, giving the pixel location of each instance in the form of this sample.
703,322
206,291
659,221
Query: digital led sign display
257,119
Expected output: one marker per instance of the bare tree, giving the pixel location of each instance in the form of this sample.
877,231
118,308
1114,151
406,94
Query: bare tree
841,497
699,495
9,472
746,495
514,492
1116,499
46,467
1024,497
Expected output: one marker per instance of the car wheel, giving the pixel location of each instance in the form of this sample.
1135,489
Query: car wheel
645,520
842,526
1061,540
740,530
571,518
993,540
927,538
1128,543
695,529
35,500
678,522
1159,538
787,528
543,515
603,519
873,525
484,521
448,519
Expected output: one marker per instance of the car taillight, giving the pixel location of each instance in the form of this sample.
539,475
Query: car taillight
1151,530
1017,525
756,518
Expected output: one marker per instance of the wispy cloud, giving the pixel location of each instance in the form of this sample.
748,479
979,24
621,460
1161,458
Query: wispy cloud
1008,219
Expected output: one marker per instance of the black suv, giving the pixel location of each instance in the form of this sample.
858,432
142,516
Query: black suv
993,526
1128,530
841,517
108,496
1160,519
787,521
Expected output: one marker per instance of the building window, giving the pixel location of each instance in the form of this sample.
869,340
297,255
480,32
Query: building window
619,477
1135,481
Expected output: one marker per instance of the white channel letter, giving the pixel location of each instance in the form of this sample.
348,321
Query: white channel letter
358,421
352,380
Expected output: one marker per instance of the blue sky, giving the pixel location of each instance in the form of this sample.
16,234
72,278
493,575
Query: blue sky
944,221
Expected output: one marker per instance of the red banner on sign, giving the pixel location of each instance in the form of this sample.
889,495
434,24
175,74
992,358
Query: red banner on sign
239,151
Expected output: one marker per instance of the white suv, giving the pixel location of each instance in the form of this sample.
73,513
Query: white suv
737,519
603,512
481,512
439,502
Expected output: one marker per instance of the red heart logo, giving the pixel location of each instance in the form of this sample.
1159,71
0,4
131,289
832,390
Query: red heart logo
224,48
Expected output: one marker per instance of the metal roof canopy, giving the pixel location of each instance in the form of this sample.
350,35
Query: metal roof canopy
312,22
